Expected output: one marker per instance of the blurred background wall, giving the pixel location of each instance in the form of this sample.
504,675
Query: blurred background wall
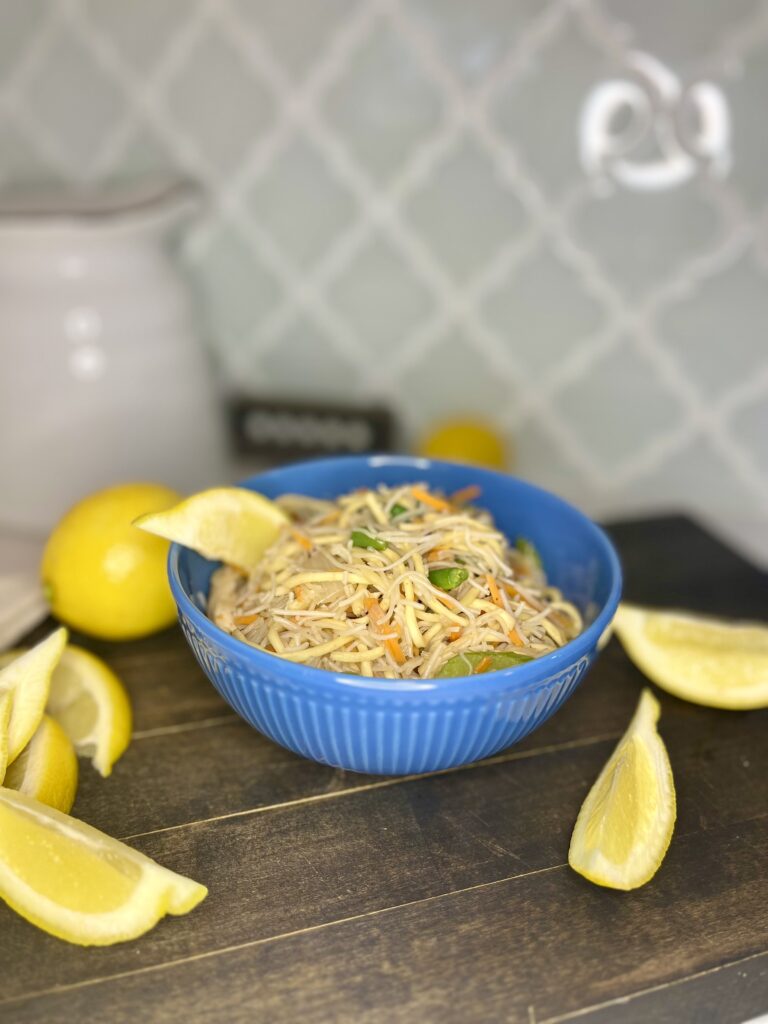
549,214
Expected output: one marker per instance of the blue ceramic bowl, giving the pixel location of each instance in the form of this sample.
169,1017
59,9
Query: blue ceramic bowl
394,728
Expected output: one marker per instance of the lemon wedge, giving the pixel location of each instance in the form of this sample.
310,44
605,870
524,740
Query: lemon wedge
27,679
91,705
46,769
78,883
88,700
227,524
625,824
703,660
5,717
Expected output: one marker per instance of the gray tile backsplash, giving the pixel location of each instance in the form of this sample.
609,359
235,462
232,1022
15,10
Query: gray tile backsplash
552,215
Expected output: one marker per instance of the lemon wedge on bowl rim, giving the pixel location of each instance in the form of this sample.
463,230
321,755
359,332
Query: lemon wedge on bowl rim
704,660
28,678
625,824
78,883
227,524
46,769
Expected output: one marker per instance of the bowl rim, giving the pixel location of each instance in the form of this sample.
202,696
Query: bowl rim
522,677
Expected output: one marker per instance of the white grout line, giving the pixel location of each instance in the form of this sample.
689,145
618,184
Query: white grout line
382,209
12,92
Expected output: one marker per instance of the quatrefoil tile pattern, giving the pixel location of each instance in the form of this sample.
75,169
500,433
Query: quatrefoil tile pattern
401,208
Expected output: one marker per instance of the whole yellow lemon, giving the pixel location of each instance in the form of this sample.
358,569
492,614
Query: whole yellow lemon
465,440
104,576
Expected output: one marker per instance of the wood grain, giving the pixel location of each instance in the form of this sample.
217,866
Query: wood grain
722,995
548,941
166,685
668,561
198,773
200,768
673,561
309,864
443,897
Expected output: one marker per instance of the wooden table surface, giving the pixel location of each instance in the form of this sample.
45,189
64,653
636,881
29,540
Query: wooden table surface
447,897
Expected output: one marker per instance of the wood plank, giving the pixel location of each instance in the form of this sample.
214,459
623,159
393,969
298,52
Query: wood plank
673,561
166,686
722,995
527,948
307,864
690,569
173,778
176,777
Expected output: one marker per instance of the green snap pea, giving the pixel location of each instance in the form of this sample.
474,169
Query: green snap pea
465,664
447,579
362,540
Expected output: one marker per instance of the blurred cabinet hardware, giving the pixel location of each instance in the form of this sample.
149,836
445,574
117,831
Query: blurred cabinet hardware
276,429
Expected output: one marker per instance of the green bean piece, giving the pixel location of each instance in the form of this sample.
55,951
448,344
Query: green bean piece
447,579
362,540
465,664
529,550
397,510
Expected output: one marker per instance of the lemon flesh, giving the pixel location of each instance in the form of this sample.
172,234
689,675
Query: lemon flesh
5,717
703,660
78,883
227,524
104,577
625,824
27,679
46,769
91,704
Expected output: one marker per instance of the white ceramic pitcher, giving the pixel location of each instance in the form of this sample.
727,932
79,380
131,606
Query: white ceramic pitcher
102,376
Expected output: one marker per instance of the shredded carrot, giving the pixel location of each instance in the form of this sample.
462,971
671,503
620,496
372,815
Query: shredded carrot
495,595
515,637
429,499
454,634
483,665
434,554
465,495
376,615
245,620
394,648
302,540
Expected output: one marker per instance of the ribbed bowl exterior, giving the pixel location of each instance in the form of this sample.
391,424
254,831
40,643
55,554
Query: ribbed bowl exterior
406,727
374,732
